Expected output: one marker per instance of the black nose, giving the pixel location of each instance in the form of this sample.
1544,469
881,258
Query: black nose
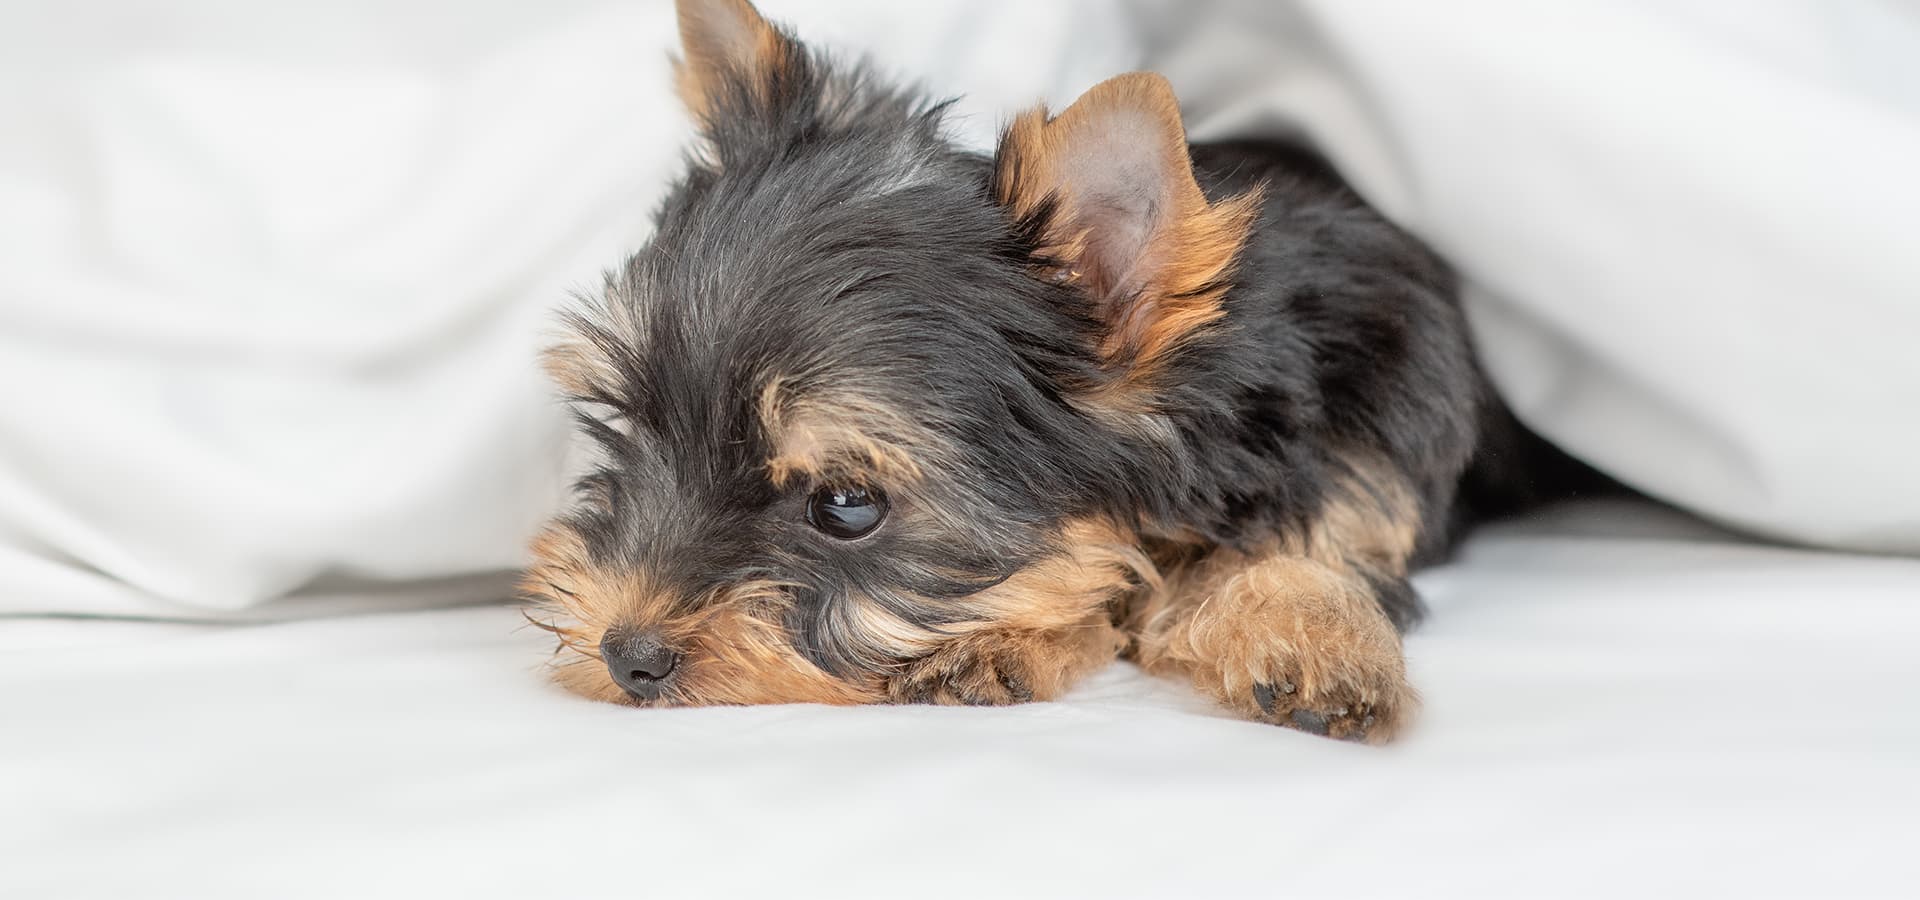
638,661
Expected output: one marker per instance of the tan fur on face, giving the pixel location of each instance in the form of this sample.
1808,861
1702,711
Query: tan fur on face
1154,296
884,640
726,39
1038,632
731,652
842,436
1295,627
578,369
1032,636
600,332
1093,564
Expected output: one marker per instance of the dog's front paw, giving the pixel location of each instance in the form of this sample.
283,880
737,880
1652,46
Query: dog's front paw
1334,680
1371,707
999,667
1291,642
966,673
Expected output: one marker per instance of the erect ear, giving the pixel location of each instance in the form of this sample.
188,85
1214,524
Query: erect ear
729,47
1108,185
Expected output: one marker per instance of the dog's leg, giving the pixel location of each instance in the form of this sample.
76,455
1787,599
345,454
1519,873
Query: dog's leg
998,666
1296,634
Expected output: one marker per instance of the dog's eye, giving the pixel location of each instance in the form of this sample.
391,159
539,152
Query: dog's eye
847,513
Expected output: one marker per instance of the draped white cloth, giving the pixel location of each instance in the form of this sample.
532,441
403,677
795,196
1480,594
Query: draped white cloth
274,274
1691,228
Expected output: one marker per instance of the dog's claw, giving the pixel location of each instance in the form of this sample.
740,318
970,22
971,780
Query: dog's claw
1015,686
1263,695
1310,722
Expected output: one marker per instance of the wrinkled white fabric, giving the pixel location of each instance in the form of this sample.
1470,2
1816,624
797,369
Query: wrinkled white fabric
275,275
1688,227
1615,709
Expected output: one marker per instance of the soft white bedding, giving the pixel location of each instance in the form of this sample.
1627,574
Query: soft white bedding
1686,225
288,264
1619,706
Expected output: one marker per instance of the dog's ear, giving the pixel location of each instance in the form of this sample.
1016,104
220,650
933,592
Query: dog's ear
729,51
1107,190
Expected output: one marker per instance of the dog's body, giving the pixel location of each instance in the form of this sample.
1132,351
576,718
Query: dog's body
889,421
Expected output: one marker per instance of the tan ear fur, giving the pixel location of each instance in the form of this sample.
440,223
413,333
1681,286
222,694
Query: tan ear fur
724,39
1124,217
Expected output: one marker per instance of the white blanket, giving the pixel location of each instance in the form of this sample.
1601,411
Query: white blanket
274,274
1688,226
1617,707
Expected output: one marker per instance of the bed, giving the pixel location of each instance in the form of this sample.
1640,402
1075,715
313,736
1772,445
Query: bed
1620,702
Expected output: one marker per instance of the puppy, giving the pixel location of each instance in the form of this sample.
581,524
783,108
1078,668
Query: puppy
888,421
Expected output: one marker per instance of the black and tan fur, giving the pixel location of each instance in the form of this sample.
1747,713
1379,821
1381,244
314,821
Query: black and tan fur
1199,405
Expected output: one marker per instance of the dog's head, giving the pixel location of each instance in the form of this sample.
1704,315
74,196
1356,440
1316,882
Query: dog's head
865,392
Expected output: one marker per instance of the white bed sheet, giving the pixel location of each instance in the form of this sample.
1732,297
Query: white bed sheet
1620,704
289,263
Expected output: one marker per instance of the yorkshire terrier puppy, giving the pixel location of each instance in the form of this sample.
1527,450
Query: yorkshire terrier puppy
885,420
